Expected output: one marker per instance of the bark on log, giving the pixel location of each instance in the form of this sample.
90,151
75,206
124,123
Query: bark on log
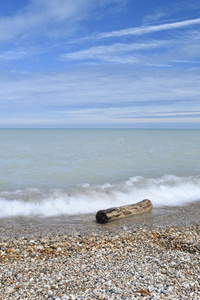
107,215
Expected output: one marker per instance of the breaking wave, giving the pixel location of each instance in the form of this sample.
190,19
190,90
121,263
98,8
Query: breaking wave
168,190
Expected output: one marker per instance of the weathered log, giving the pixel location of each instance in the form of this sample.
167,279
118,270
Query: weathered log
107,215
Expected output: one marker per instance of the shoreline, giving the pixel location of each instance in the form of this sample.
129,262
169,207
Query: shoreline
49,226
151,258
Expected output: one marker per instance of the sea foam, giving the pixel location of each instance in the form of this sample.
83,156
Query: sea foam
168,190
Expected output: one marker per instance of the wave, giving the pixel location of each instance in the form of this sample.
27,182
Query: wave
168,190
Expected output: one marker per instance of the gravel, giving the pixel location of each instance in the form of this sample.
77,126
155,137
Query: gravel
127,263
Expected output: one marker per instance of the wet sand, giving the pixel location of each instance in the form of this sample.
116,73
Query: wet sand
158,217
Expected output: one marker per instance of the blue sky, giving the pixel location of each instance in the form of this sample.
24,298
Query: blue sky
108,63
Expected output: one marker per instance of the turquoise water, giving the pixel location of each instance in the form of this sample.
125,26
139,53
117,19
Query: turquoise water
71,171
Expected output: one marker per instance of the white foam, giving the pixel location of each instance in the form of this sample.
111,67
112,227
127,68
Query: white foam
168,190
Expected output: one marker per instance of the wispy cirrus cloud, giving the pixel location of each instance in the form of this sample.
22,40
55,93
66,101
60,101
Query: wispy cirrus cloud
39,13
112,96
168,10
128,113
148,29
80,41
17,54
114,52
104,117
44,18
117,90
12,55
186,61
153,52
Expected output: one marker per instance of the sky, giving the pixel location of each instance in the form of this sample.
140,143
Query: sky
104,64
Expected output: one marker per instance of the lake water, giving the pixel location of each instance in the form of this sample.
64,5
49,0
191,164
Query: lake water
52,172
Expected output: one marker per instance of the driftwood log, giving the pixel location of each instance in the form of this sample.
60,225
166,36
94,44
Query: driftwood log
107,215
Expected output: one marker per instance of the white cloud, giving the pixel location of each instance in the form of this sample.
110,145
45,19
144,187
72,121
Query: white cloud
44,17
40,13
179,47
17,54
186,61
12,55
99,93
172,9
148,29
115,52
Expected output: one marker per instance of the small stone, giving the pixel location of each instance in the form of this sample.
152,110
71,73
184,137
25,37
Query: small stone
144,291
40,247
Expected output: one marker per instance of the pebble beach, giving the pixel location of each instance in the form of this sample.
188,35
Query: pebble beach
130,259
